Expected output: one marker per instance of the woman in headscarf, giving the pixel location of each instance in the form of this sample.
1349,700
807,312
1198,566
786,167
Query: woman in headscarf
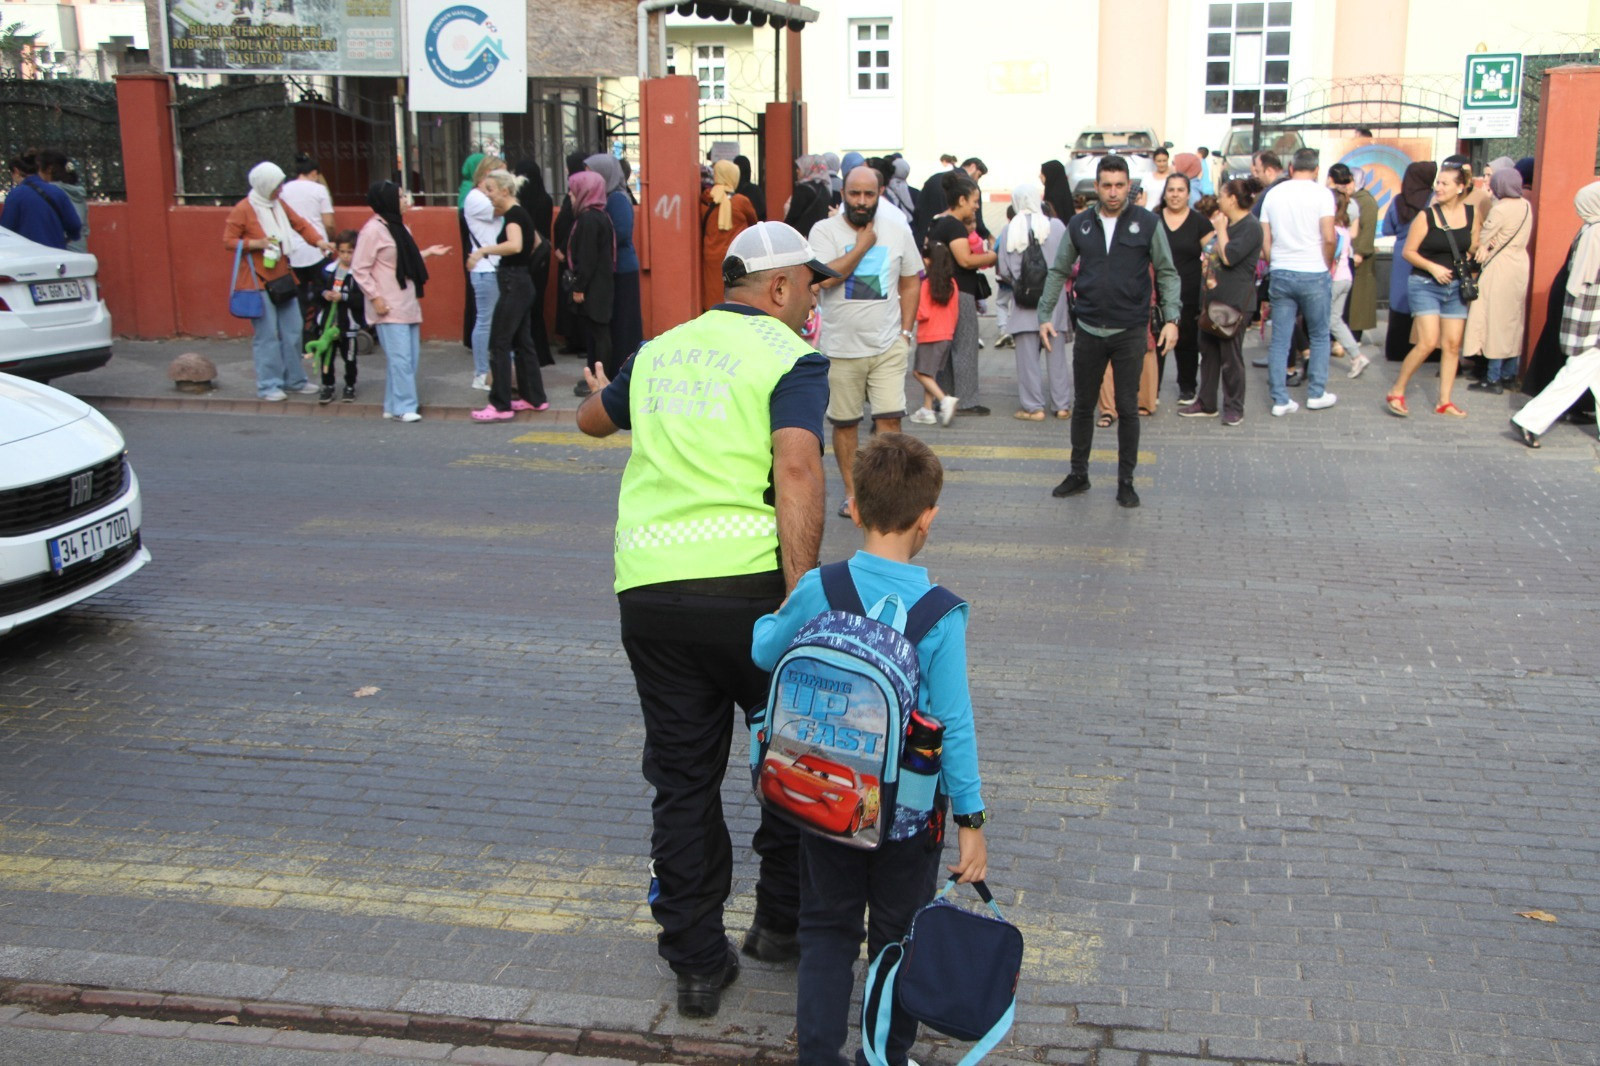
627,316
899,189
810,202
540,207
1577,326
1029,225
389,267
568,324
258,230
749,189
1416,187
592,259
1495,318
724,215
830,160
1057,189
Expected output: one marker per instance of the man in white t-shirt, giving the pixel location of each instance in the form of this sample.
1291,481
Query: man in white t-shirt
1298,239
483,230
307,196
867,314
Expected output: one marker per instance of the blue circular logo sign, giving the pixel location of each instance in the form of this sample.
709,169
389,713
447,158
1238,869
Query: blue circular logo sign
463,47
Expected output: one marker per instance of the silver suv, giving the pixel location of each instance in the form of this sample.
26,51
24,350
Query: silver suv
1136,145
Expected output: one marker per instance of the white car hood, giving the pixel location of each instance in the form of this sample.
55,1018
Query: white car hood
28,409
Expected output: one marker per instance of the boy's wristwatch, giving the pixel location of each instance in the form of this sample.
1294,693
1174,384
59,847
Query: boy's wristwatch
974,820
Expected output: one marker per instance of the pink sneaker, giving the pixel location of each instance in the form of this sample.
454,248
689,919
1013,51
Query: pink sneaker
491,414
524,405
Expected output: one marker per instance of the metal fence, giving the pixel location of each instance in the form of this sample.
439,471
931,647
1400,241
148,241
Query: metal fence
76,115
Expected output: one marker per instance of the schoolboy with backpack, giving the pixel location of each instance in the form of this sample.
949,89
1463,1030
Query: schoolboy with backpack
867,733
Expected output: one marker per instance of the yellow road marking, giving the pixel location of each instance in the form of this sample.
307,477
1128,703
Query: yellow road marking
574,440
426,528
537,466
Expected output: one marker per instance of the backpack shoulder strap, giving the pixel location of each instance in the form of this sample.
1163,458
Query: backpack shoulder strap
929,612
840,588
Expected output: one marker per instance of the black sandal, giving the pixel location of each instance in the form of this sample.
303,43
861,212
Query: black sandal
1526,436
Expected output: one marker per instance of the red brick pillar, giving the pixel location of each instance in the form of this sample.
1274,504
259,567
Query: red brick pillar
777,160
667,225
1569,123
149,166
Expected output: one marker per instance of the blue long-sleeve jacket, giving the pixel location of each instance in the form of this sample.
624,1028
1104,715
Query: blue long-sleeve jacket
942,658
42,213
620,207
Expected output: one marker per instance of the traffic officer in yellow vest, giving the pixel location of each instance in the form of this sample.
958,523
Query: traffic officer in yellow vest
719,514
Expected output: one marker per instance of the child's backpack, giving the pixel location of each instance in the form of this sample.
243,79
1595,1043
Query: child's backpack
956,971
1028,289
825,752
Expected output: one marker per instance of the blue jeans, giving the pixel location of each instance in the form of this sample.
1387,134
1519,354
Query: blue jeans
1311,295
838,884
402,344
485,294
276,347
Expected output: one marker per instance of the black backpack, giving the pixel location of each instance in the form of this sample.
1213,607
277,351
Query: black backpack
1028,289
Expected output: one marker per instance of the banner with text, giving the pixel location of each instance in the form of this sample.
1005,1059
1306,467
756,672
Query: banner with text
470,56
284,36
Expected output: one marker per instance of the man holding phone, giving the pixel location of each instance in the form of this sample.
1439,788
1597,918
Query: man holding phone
1115,245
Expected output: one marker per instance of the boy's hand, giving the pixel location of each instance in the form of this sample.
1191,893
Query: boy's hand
973,864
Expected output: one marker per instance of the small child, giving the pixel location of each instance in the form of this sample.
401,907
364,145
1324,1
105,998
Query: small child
937,310
898,479
1345,342
341,296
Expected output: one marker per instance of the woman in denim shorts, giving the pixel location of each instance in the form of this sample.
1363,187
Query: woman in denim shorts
1437,310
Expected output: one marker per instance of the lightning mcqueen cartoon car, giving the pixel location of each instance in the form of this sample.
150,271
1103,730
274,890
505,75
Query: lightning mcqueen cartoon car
822,793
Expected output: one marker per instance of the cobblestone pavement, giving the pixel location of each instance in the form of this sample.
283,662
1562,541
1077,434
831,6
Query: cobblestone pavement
1275,760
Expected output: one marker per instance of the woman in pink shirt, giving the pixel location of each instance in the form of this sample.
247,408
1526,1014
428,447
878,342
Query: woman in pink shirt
389,267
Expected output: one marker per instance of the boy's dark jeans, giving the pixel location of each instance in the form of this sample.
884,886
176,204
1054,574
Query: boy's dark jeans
342,350
837,884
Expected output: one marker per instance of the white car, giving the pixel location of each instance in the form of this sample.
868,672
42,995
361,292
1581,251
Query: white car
69,503
52,318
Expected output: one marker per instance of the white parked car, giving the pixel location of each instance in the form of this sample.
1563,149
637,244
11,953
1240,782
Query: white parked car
69,503
52,319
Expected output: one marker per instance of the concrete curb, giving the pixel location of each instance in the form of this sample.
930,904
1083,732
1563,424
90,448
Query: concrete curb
222,405
52,998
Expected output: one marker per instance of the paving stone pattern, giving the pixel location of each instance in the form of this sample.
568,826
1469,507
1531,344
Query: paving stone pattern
1274,760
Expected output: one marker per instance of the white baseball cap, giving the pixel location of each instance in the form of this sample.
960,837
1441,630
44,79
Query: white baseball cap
771,246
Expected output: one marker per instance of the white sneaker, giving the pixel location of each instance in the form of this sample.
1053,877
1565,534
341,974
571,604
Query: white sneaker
947,409
275,396
1281,409
1323,402
308,387
411,416
480,382
924,417
1361,363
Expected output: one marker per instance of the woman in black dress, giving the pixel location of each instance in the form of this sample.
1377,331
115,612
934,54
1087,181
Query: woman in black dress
1187,236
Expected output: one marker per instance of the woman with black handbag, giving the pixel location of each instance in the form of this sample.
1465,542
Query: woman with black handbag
1443,281
259,226
1227,299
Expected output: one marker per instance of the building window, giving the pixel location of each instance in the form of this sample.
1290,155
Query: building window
1247,58
872,63
711,71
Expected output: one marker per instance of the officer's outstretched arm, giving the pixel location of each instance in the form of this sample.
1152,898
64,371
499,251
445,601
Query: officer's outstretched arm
798,495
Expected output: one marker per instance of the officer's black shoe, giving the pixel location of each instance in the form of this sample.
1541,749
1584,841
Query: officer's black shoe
769,945
1125,494
700,995
1072,485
